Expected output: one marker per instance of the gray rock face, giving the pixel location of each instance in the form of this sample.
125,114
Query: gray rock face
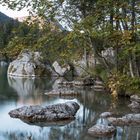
27,64
86,61
129,119
102,128
109,54
57,112
60,70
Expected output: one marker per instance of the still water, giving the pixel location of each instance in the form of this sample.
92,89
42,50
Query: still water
16,92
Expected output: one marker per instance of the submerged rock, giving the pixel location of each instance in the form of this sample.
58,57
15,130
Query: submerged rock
129,119
57,112
102,128
27,64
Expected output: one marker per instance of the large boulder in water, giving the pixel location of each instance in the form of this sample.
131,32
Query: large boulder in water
27,64
102,128
57,112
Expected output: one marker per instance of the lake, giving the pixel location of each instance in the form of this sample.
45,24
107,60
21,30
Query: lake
17,92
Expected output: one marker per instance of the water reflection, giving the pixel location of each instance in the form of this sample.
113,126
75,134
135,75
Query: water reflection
24,91
29,90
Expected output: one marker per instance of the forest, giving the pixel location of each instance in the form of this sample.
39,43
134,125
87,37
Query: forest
65,29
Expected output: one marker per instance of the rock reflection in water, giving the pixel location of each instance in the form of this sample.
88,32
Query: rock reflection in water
102,121
28,89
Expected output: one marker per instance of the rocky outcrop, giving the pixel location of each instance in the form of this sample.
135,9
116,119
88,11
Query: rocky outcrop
135,103
57,112
102,128
60,70
86,61
129,119
27,64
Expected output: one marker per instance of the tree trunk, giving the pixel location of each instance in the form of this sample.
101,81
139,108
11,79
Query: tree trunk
131,67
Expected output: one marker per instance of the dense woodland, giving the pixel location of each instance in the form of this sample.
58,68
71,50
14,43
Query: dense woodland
91,25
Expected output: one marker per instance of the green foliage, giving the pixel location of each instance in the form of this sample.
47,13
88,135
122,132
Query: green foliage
95,25
118,83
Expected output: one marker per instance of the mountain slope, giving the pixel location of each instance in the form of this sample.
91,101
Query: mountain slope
4,18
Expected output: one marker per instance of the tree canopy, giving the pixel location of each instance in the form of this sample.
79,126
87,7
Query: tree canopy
92,24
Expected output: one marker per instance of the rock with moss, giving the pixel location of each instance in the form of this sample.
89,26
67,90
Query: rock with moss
27,64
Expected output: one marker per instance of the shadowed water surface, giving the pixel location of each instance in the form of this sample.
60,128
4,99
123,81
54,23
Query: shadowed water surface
16,92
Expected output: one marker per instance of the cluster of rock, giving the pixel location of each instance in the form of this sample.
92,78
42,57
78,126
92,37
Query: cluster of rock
135,103
64,88
106,124
27,64
51,113
87,81
30,64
